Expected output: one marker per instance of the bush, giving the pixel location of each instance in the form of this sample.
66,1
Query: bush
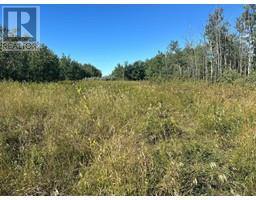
251,78
229,76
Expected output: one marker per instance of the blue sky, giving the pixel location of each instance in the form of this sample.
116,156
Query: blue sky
105,35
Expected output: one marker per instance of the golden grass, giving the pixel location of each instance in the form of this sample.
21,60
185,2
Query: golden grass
127,138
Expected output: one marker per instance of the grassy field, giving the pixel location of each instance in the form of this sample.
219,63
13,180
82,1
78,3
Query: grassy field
127,138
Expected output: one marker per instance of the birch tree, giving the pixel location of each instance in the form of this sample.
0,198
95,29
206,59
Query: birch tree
246,26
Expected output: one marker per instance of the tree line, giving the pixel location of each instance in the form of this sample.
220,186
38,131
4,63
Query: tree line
42,65
220,52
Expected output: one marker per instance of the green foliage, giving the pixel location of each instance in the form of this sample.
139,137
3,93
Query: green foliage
223,56
251,78
154,67
118,72
42,65
136,71
229,76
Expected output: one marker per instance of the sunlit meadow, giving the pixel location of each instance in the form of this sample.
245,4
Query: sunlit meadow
127,138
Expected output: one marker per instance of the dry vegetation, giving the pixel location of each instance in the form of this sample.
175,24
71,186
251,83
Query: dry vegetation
127,138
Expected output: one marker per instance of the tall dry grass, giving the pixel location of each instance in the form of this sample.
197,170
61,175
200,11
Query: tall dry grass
127,138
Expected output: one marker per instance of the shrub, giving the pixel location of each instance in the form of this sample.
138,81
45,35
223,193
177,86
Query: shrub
229,76
251,78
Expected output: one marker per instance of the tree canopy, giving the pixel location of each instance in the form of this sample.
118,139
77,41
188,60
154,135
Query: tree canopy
220,51
42,65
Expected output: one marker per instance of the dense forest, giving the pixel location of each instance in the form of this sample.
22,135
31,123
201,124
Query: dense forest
42,65
221,53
